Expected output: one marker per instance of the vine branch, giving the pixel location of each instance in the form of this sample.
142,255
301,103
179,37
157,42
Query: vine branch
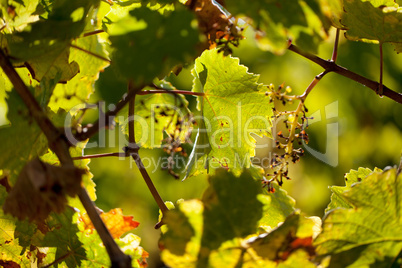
59,145
99,156
331,66
133,148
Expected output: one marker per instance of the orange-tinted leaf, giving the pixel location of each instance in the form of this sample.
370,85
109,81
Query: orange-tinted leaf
115,221
42,188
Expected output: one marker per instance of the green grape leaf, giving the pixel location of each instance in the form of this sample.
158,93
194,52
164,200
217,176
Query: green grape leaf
226,216
181,224
58,66
354,176
303,22
219,218
333,9
22,140
370,21
155,43
231,111
369,233
156,114
277,206
173,240
110,14
66,243
46,51
79,88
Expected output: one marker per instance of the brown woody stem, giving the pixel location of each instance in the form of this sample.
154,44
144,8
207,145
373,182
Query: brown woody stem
331,66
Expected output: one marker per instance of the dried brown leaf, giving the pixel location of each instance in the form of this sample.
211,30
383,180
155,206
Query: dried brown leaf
42,188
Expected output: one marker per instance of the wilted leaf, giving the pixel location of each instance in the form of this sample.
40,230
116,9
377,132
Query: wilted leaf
41,189
213,20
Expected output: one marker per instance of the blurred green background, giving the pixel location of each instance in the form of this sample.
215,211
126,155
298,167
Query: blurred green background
370,133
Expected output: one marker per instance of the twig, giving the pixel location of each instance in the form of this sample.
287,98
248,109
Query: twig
312,85
132,149
331,66
93,33
335,51
380,89
58,144
184,92
99,156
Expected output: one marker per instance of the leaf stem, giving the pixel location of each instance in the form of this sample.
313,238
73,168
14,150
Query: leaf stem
380,89
335,51
59,145
184,92
132,149
99,156
93,33
331,66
